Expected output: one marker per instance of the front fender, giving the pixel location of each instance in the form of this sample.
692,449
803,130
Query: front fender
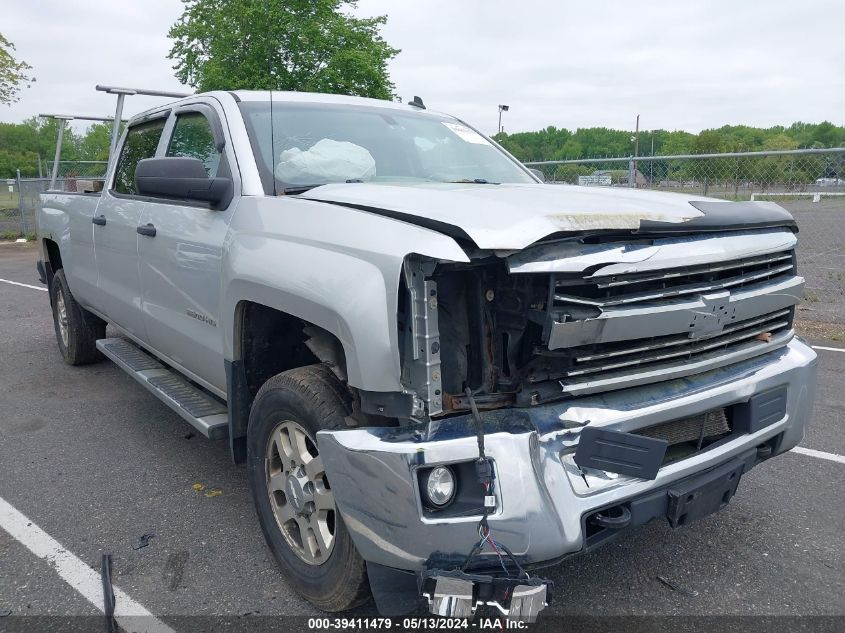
332,266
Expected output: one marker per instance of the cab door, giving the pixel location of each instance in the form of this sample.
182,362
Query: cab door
115,230
180,257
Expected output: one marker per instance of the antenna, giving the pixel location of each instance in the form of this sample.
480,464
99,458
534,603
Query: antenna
417,103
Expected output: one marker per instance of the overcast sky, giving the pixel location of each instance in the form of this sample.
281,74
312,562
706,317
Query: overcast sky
680,65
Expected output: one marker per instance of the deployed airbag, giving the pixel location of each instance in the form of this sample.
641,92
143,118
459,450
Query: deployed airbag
326,161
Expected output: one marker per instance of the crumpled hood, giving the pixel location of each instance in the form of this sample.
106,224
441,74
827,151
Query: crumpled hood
512,216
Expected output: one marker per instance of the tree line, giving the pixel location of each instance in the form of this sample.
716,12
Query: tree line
554,143
22,145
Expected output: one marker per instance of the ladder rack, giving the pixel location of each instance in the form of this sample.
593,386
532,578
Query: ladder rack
122,93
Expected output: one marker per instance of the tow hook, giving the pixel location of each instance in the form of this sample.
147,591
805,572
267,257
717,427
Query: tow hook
456,594
613,518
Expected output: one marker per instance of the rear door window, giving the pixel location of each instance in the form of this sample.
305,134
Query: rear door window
192,138
141,142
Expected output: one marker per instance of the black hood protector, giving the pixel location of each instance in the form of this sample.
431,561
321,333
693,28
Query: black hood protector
726,216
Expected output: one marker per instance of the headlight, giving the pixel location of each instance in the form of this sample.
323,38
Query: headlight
440,486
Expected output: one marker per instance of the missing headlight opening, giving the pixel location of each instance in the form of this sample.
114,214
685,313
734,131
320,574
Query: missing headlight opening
488,323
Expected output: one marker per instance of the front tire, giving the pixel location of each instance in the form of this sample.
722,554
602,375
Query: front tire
77,330
292,495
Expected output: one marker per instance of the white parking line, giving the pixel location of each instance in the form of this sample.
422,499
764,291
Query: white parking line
17,283
820,454
130,615
828,349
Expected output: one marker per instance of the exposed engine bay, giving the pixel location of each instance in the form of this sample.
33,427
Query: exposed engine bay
491,328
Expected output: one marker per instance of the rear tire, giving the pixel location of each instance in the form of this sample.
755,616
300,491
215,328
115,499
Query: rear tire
292,497
77,330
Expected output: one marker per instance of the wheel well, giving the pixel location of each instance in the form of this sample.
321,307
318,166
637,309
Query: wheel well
270,341
53,254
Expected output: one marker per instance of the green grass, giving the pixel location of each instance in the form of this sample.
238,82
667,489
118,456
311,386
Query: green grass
11,236
8,200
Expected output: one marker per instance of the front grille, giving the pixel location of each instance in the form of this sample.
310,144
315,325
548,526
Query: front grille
638,353
697,428
688,436
656,286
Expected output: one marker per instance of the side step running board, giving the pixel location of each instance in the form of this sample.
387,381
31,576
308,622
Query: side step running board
206,413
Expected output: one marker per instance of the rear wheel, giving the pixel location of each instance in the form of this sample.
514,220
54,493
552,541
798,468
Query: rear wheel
77,330
292,495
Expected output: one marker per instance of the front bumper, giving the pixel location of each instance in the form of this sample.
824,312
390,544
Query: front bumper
542,501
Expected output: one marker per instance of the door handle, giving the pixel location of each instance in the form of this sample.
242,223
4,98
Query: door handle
148,229
99,220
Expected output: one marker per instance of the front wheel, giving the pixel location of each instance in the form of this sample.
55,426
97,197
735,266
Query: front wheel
292,495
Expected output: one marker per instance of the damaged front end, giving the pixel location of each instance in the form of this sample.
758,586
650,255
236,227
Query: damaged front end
607,379
579,316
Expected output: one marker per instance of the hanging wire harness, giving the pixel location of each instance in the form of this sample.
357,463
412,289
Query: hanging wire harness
458,592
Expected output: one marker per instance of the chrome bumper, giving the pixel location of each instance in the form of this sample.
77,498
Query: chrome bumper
542,497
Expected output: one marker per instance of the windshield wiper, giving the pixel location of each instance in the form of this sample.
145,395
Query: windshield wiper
296,189
477,181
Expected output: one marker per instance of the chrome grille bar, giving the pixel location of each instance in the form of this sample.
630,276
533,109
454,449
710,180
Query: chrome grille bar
677,291
634,278
742,332
679,340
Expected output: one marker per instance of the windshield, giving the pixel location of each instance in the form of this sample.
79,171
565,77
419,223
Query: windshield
298,145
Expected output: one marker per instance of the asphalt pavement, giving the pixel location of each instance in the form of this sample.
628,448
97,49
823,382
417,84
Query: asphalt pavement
821,258
95,461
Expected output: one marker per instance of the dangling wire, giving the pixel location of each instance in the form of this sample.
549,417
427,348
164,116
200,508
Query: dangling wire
485,478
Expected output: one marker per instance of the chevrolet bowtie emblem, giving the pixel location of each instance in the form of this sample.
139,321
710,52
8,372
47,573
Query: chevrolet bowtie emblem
712,318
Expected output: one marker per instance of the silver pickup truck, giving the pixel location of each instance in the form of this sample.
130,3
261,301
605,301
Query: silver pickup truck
441,373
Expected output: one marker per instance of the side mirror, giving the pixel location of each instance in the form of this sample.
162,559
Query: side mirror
538,173
180,179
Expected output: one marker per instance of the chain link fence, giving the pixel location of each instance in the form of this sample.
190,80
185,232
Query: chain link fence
19,196
14,212
737,176
69,169
809,183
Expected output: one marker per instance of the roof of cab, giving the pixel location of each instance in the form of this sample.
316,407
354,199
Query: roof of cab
312,97
282,96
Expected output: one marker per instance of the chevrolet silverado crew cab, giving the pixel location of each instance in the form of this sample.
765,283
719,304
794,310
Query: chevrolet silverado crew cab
441,373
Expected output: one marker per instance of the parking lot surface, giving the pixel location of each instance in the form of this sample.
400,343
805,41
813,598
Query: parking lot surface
95,461
821,258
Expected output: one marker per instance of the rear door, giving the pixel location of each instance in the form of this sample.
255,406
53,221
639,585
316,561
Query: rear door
181,265
76,240
115,230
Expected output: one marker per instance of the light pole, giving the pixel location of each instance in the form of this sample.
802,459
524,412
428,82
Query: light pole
632,165
637,138
502,108
651,162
